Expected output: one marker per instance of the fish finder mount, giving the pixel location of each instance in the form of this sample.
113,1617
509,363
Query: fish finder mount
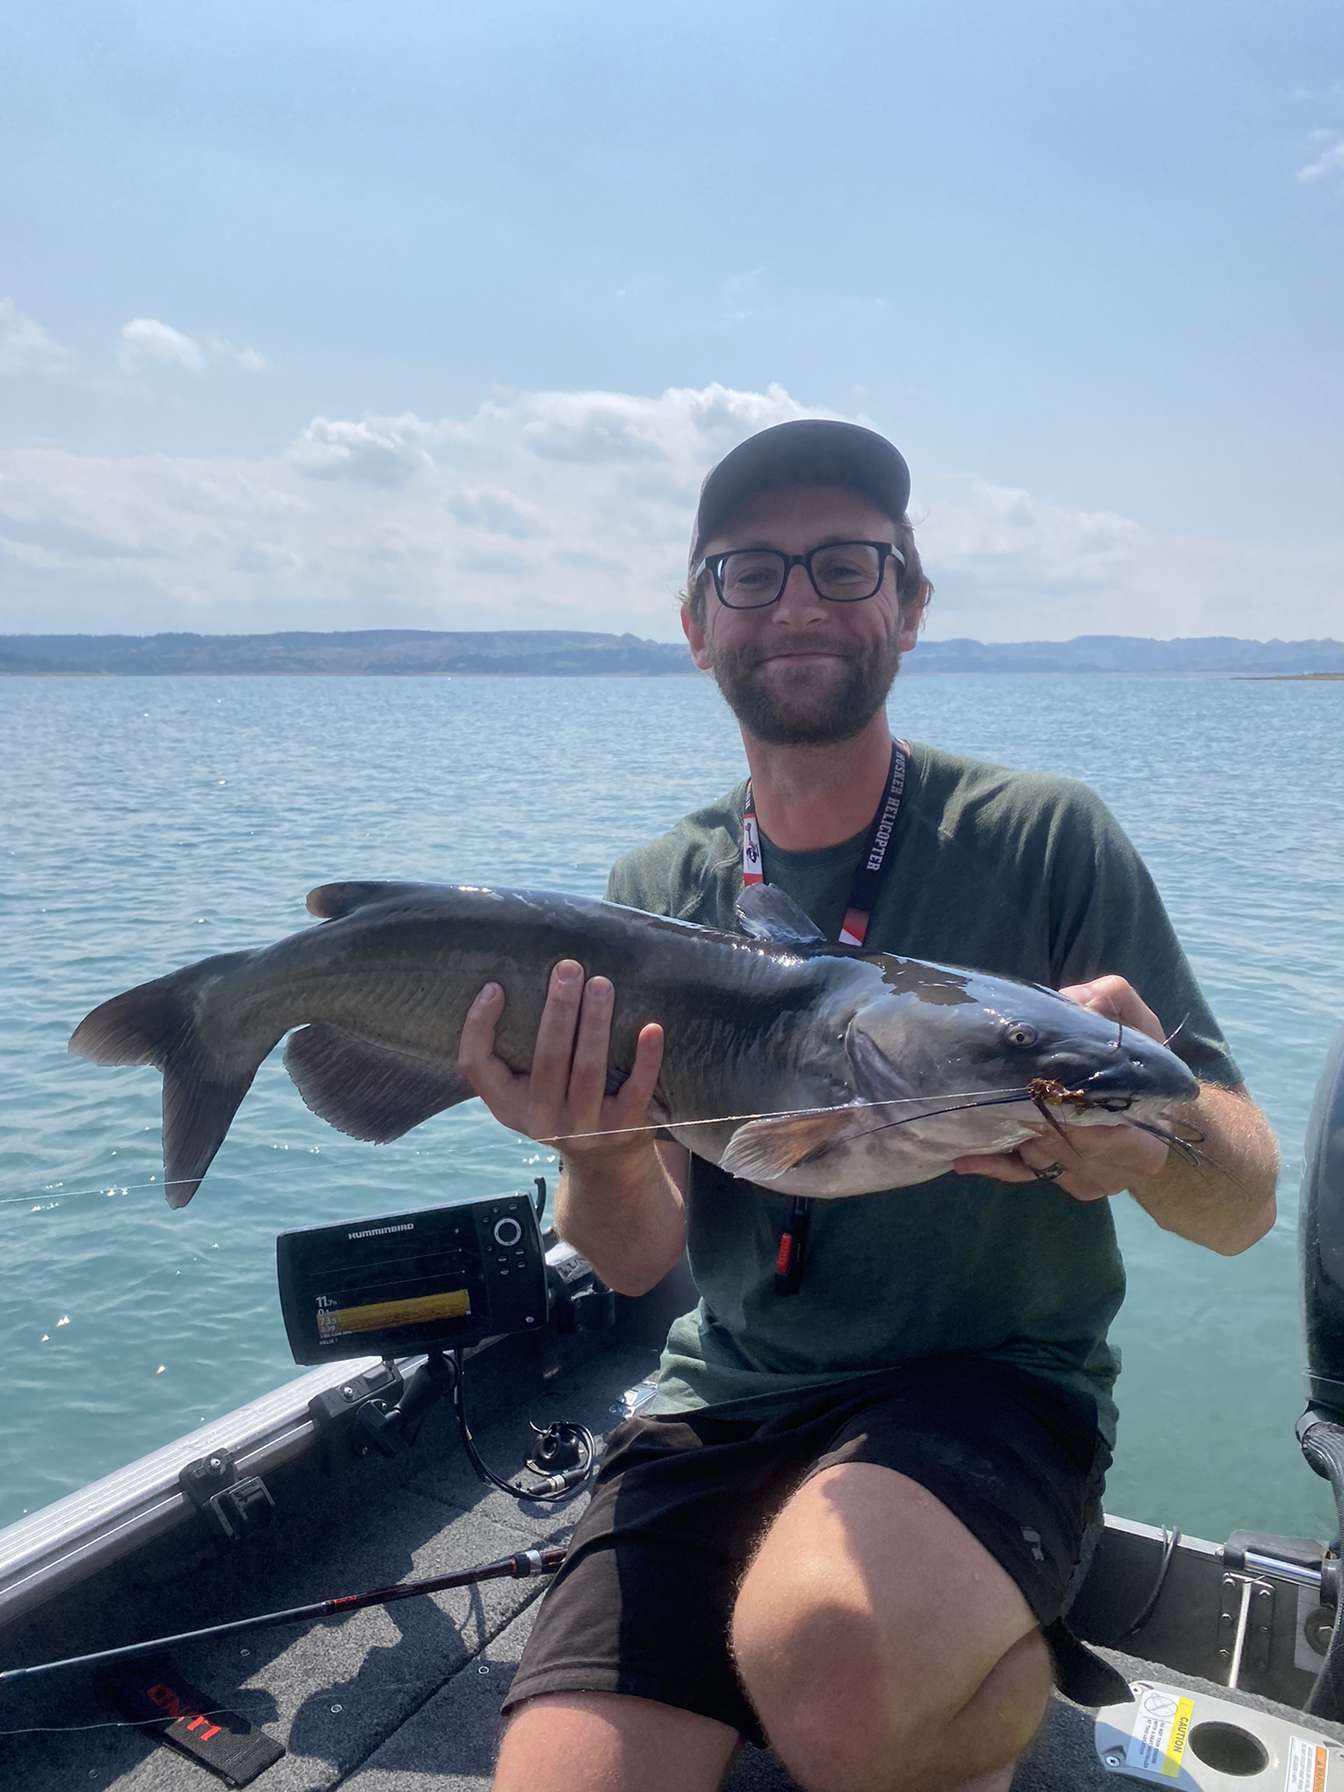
440,1281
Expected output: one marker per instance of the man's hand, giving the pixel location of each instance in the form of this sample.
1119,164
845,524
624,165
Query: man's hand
1088,1162
616,1202
563,1102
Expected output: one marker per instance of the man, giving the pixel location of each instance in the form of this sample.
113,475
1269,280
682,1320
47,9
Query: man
849,1523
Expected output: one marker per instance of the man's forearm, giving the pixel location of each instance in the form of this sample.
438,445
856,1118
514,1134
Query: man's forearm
626,1214
1224,1199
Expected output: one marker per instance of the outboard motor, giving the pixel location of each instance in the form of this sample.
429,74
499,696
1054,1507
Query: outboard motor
1321,1239
1320,1430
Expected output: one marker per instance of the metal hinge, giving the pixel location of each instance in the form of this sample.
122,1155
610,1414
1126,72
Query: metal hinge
1245,1625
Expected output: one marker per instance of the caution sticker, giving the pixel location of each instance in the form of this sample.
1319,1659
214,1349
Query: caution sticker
1308,1765
1161,1727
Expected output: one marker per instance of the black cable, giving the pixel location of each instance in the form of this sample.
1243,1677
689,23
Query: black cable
1170,1538
1173,1537
553,1487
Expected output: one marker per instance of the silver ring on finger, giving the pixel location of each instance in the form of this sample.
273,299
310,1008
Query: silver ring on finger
1051,1173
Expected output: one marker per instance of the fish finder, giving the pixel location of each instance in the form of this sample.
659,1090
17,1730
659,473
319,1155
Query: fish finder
443,1278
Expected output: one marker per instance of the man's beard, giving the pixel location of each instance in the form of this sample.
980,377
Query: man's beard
835,704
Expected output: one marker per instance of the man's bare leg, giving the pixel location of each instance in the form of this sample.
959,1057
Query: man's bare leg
884,1648
611,1742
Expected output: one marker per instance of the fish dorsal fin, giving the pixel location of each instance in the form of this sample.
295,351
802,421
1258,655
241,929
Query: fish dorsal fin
330,901
764,1149
766,913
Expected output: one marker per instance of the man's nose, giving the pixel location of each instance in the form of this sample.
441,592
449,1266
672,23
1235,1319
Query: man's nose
799,597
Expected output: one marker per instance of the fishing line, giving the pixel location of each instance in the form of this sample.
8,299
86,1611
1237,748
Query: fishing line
968,1097
55,1196
237,1706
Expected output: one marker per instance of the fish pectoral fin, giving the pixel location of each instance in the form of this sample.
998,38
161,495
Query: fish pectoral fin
367,1090
764,1149
330,901
766,913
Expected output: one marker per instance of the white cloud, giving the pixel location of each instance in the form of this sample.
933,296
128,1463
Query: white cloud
739,303
377,450
146,344
246,360
25,347
579,427
497,512
535,511
1329,160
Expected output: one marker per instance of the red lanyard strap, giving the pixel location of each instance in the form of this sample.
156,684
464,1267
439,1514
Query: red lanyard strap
872,860
863,894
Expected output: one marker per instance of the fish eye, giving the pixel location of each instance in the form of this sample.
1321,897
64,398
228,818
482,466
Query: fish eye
1017,1032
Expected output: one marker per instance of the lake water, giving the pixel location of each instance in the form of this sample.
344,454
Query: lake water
150,822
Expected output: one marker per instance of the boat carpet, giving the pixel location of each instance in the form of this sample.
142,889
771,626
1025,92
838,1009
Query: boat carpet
392,1698
448,1746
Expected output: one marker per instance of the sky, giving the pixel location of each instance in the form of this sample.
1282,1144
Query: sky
434,316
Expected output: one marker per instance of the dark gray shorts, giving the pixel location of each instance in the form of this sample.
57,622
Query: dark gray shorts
644,1600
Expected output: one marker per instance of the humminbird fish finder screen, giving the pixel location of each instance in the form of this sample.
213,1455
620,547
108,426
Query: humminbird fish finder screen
446,1277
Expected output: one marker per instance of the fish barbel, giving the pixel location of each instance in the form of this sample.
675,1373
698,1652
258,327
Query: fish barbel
855,1071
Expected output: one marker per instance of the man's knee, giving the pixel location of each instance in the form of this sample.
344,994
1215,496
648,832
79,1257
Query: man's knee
844,1717
871,1625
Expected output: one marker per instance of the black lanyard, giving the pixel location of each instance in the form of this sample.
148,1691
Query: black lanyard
853,931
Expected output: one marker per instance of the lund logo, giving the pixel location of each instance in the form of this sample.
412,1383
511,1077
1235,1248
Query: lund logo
167,1700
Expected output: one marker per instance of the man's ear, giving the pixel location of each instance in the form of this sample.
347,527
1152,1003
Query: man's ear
695,637
913,611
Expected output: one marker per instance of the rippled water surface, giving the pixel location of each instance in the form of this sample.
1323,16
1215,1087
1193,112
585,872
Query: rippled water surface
149,822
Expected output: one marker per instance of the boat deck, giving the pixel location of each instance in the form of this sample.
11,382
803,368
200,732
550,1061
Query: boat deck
394,1697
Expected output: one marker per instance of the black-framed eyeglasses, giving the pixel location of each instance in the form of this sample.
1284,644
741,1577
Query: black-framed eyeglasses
842,572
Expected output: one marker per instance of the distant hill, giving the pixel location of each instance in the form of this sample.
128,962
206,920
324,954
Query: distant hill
1130,653
394,651
571,652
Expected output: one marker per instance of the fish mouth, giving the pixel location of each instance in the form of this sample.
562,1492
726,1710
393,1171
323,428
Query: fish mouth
1121,1077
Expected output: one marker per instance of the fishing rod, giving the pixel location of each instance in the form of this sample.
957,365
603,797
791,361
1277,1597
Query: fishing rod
522,1566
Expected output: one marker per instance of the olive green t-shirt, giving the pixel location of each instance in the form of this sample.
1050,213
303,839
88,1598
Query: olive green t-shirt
1017,873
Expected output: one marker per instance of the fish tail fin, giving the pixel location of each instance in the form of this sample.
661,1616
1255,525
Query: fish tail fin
208,1060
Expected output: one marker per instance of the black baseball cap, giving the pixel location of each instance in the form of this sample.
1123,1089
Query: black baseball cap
807,451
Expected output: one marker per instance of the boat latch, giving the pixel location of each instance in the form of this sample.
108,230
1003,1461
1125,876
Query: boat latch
237,1504
1186,1740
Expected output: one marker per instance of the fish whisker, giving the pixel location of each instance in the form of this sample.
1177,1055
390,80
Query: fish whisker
958,1107
1175,1030
1188,1149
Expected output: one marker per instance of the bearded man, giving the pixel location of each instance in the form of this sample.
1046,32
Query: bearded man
848,1524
